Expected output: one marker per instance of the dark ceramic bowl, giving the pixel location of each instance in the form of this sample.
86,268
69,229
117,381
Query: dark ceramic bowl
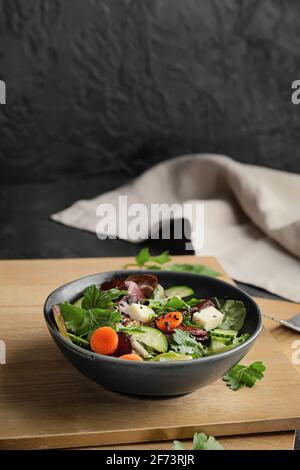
155,378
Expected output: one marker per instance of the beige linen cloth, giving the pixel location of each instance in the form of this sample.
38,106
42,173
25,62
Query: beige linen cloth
251,215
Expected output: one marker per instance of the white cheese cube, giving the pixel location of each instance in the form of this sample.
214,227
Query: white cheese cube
208,318
140,312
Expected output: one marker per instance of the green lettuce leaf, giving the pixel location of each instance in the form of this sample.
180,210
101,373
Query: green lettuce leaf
234,314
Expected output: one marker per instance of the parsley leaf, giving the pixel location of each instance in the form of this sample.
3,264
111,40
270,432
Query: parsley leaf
183,343
90,297
108,296
97,298
176,303
142,257
82,322
201,441
177,445
145,256
163,305
163,258
193,301
106,317
88,325
73,316
240,375
193,268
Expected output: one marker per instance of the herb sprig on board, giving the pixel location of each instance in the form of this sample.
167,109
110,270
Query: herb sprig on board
201,441
239,375
144,260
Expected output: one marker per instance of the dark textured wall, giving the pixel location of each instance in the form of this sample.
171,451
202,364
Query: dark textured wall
97,86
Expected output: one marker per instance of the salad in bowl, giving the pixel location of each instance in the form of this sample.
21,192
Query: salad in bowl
138,318
152,333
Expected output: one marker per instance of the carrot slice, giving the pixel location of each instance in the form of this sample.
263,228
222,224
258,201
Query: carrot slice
169,321
131,357
104,340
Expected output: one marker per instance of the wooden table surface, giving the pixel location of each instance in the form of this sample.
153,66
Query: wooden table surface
29,282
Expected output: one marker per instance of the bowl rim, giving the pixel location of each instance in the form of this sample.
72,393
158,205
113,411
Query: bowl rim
115,360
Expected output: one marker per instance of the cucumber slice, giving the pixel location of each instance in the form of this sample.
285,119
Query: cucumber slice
218,346
221,339
180,291
152,338
172,356
224,333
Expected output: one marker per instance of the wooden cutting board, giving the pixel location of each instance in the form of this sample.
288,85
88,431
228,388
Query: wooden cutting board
45,403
